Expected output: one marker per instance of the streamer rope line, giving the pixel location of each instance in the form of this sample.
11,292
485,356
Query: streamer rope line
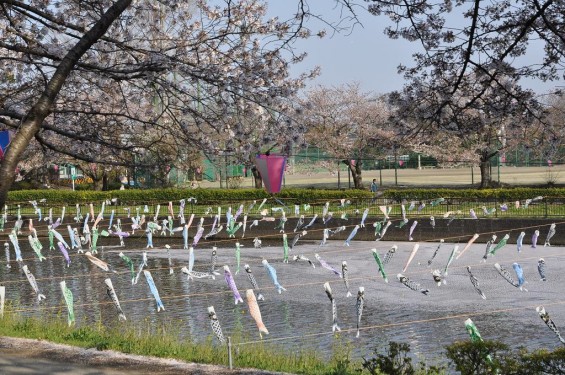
204,265
405,323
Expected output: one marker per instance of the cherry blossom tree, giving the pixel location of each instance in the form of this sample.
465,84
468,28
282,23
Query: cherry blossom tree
465,83
347,123
477,132
254,129
105,82
549,140
492,42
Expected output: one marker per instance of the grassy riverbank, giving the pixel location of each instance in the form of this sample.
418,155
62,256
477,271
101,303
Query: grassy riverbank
163,342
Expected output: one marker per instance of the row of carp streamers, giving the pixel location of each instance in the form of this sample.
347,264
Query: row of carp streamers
89,238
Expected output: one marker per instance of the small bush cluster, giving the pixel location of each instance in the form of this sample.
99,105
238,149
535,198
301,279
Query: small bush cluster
470,358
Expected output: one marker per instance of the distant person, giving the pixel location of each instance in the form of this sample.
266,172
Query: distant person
374,187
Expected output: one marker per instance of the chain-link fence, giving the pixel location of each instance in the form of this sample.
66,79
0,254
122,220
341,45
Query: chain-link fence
313,167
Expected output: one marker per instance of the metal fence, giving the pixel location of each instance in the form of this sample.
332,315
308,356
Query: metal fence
460,207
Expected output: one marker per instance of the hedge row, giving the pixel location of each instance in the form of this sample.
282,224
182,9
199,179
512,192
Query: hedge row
504,194
204,196
291,195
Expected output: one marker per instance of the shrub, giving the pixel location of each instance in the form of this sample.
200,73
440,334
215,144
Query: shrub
475,358
83,187
542,362
23,185
396,362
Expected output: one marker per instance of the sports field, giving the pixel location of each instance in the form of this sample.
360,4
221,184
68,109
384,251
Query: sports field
441,177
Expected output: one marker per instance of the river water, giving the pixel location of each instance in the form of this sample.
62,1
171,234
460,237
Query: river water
301,316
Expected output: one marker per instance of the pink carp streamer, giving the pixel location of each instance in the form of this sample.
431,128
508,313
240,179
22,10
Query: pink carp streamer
475,236
255,312
412,254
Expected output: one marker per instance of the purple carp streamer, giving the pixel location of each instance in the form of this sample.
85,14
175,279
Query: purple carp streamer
535,239
231,284
65,253
327,266
197,236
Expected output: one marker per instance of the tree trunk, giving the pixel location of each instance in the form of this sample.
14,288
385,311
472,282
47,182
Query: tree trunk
44,105
105,181
97,183
356,172
485,174
258,182
486,177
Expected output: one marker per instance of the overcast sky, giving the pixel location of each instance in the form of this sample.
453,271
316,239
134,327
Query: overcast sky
365,55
